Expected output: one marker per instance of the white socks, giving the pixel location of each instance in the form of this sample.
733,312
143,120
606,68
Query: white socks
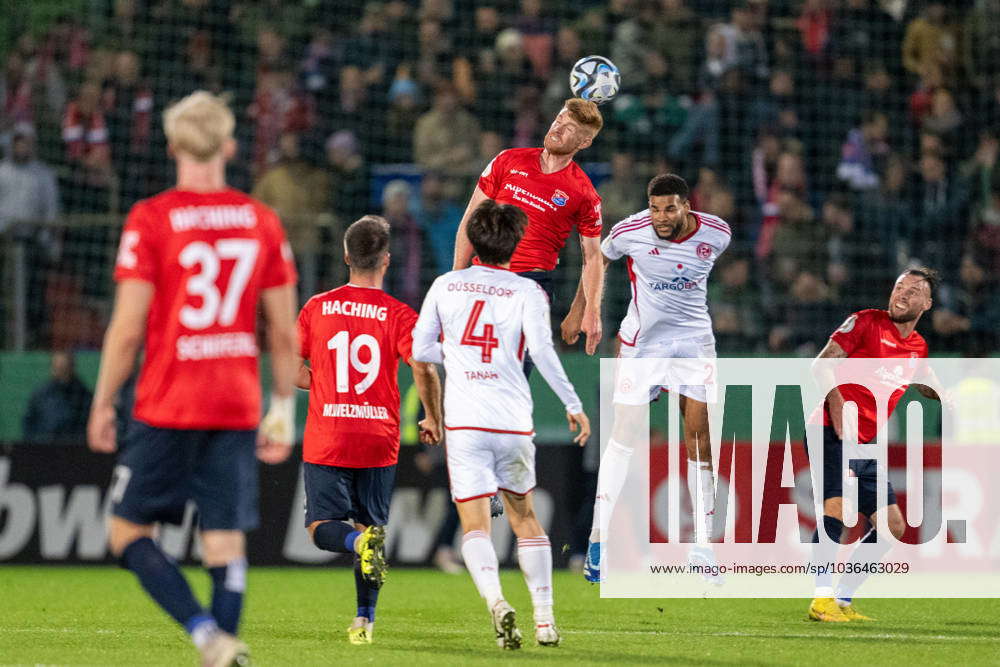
481,560
534,555
610,479
701,488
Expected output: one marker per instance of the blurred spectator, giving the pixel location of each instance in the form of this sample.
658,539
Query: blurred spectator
815,24
404,279
977,172
279,107
29,200
28,190
401,118
632,43
297,191
623,193
931,41
865,31
499,73
32,89
320,68
981,46
744,46
785,199
569,49
944,119
439,217
937,222
129,110
369,48
490,145
735,303
967,310
882,213
348,177
777,107
529,124
446,137
58,410
647,118
764,162
537,32
85,138
676,36
863,152
847,255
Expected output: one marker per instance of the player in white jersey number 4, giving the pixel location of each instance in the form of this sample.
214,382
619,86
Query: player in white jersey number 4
670,251
479,322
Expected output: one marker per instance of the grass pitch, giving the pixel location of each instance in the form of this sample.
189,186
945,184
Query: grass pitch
100,616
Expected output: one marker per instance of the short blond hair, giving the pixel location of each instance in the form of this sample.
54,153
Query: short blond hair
585,113
199,125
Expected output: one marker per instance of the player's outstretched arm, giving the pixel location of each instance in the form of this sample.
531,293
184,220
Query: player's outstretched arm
825,377
277,429
428,383
593,289
463,248
572,324
121,343
538,337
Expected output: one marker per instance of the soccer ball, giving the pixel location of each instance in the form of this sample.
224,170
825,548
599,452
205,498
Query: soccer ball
594,78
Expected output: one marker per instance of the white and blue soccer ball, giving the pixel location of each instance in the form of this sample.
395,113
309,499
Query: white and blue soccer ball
594,78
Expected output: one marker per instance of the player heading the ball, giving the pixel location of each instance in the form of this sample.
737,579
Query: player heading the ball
193,264
480,322
557,197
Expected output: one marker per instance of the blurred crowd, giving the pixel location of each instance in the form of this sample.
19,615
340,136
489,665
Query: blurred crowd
842,140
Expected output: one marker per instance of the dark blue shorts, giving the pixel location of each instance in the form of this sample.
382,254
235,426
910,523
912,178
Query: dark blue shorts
863,469
361,495
160,469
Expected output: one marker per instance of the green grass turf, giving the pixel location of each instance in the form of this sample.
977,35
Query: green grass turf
100,616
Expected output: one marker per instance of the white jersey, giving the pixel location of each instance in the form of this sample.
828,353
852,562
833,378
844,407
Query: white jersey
669,279
488,318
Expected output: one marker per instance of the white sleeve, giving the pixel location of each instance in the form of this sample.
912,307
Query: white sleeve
427,332
538,335
613,248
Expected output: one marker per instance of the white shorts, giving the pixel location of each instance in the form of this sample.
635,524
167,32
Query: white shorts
482,462
632,389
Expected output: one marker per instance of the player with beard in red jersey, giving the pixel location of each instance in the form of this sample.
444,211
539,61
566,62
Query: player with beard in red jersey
193,264
558,197
866,334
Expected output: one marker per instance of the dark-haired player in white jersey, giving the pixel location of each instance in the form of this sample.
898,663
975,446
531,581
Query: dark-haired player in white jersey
670,251
479,322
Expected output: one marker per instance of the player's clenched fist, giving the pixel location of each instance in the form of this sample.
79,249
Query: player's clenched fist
430,431
579,421
101,429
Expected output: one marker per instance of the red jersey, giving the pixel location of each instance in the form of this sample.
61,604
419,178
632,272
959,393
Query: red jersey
354,338
208,256
556,203
871,334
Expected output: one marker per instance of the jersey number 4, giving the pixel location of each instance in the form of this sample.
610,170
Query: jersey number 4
486,341
216,306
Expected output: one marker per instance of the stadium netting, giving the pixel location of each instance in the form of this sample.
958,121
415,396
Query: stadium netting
842,140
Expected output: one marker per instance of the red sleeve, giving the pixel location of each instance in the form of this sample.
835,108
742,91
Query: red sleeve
406,319
489,180
279,262
588,216
303,326
137,249
851,334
